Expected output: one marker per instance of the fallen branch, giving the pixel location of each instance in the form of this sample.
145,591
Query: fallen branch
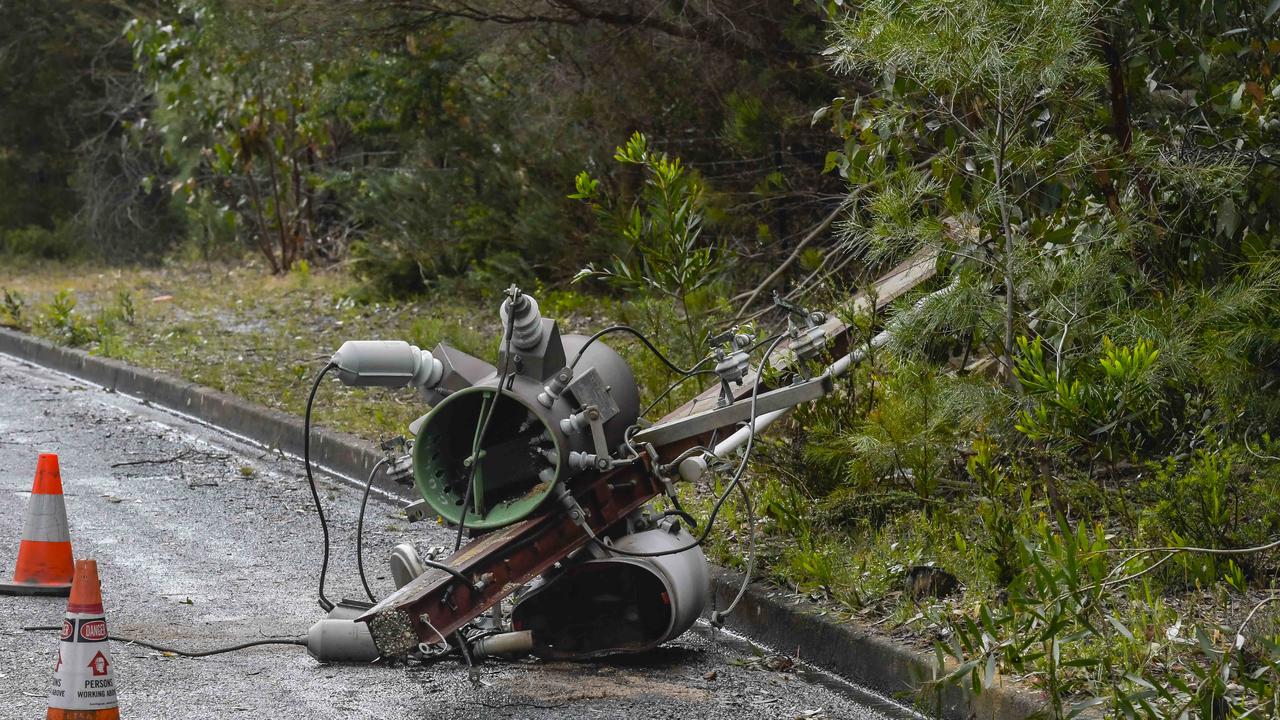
795,254
176,458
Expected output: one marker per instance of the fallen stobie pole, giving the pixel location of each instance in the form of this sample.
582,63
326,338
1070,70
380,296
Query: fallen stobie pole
545,455
692,468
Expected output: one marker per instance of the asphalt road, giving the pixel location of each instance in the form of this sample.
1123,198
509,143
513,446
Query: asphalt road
203,540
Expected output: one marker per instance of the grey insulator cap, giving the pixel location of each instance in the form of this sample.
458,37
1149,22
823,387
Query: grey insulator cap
341,640
526,330
386,363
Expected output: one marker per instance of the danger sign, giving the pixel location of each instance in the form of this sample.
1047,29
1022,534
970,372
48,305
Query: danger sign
93,631
82,677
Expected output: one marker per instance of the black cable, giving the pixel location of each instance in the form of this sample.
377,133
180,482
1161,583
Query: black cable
484,427
311,480
639,335
718,615
364,502
670,388
452,571
695,372
466,651
737,477
188,653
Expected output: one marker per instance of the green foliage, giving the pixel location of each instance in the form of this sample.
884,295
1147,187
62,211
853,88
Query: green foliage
997,511
662,227
1218,499
37,243
61,320
67,80
1108,410
241,125
909,438
1053,607
14,308
46,48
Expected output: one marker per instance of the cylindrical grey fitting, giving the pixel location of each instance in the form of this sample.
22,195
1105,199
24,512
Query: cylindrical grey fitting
405,564
555,388
511,643
339,640
386,363
575,423
526,328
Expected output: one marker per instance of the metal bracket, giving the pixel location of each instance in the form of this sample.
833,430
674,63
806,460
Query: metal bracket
590,390
417,510
716,418
597,420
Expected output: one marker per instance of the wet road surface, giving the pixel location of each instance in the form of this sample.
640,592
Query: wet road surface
203,540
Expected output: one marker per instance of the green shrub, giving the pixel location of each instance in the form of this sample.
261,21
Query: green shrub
61,321
39,243
13,310
1217,500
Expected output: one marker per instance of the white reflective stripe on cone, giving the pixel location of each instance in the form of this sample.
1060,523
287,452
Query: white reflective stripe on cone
46,519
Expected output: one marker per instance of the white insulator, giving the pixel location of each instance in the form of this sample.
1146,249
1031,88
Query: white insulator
386,363
692,468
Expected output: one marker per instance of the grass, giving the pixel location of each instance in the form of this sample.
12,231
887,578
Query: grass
261,337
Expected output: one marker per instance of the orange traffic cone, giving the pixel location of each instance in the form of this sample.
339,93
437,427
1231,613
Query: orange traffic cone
44,554
83,686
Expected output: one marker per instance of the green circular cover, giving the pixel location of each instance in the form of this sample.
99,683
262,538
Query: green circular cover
507,488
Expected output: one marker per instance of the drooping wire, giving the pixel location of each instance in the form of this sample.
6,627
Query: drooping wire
364,502
484,427
735,482
311,480
751,557
187,653
671,388
695,372
641,337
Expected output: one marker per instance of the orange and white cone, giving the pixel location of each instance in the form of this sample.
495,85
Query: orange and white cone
44,553
83,686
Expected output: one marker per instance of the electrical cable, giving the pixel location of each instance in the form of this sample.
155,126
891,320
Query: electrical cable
311,480
639,335
484,427
364,502
718,615
451,570
188,653
695,372
670,388
466,651
737,478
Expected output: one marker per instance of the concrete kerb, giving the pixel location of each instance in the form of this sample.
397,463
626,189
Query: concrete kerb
339,453
767,615
793,625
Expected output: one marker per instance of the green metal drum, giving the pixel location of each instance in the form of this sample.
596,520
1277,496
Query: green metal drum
516,467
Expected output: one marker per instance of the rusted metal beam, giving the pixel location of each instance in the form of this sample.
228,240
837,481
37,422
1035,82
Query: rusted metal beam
436,603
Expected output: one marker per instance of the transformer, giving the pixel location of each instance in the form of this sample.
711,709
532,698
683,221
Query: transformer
517,442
